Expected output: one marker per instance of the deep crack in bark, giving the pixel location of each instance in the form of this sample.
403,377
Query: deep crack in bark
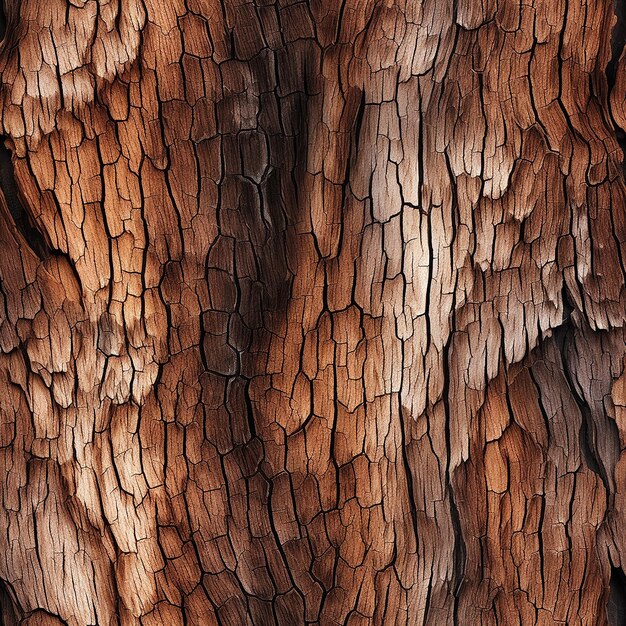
20,214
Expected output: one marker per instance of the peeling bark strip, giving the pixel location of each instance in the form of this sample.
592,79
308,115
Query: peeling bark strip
312,313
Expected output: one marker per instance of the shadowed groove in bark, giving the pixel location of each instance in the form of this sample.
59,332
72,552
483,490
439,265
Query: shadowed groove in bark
23,221
3,21
353,251
459,555
565,342
618,40
7,610
563,337
8,185
616,608
585,439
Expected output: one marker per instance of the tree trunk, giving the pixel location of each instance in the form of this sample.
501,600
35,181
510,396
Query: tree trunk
312,313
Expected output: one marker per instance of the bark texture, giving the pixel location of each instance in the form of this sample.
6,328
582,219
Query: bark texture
312,313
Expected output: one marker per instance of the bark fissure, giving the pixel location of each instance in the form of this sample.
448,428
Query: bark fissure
617,598
22,218
325,320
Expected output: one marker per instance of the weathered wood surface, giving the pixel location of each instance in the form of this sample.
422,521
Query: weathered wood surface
320,316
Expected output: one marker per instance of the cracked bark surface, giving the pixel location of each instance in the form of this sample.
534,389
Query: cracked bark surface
312,313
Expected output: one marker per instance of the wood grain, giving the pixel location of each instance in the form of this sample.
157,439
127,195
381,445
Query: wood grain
312,313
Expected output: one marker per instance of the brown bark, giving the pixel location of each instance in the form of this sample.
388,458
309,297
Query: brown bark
312,313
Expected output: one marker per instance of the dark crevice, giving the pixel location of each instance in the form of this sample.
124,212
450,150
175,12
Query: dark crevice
616,607
8,613
21,216
41,615
23,220
459,556
618,41
589,445
566,328
3,20
586,440
562,338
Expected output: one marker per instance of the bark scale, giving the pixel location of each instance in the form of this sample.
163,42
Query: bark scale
312,313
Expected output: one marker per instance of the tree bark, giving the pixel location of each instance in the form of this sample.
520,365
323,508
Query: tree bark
312,313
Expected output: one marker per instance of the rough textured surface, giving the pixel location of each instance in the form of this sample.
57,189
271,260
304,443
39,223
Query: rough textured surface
312,313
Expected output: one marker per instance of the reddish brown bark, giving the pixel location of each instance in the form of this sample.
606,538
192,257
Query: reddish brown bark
312,313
